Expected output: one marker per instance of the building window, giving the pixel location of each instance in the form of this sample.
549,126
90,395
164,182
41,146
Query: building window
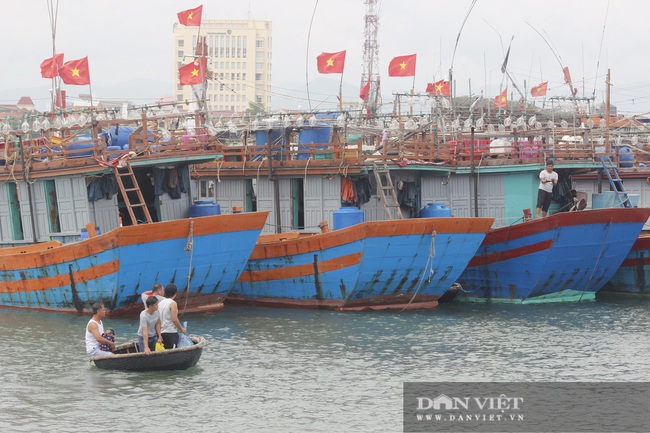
243,76
259,66
179,98
258,77
259,43
181,43
259,55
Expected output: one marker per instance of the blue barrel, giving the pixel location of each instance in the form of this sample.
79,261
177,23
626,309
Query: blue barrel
120,135
626,157
435,210
261,135
347,216
320,133
87,145
202,208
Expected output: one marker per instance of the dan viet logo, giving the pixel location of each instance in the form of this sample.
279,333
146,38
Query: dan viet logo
486,408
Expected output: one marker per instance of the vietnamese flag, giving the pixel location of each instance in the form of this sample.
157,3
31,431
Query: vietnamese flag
193,73
567,75
539,90
501,100
75,72
331,63
438,88
364,90
50,67
402,66
191,17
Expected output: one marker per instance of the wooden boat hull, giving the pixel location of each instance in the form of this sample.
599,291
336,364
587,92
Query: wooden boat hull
114,268
633,277
127,358
372,265
564,257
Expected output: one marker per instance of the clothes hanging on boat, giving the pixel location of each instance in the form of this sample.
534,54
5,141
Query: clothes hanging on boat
103,187
362,189
408,196
348,195
171,180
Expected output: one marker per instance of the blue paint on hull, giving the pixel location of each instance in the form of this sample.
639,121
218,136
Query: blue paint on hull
392,270
633,277
216,260
576,258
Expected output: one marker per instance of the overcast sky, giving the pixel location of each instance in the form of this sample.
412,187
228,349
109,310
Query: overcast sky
133,39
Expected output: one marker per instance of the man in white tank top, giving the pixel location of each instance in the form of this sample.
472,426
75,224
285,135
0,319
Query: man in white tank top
94,331
170,325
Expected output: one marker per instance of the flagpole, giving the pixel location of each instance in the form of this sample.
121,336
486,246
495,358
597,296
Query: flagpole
412,94
341,95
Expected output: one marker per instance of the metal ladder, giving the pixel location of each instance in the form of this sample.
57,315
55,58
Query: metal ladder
615,182
383,188
133,188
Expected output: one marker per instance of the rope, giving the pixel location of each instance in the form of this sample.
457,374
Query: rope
600,254
189,248
427,267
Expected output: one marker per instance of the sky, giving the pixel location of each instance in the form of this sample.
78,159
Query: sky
133,40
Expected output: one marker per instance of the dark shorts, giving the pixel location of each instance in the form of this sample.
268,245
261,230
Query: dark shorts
544,199
170,340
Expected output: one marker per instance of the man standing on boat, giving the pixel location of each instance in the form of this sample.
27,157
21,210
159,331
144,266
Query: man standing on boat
94,331
158,291
170,325
547,178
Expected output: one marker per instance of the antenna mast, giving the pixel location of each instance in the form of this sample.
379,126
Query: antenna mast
370,73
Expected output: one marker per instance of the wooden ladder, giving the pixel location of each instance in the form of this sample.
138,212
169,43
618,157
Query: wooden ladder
134,188
388,187
615,182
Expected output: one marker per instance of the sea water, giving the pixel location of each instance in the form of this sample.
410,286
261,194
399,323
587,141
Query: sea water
282,370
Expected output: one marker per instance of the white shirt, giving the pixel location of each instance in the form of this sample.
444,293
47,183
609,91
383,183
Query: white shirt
548,185
166,324
91,341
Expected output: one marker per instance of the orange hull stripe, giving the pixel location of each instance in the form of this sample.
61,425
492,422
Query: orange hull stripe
300,270
132,235
60,280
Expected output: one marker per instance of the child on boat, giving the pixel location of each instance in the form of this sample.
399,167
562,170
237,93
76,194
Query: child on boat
109,334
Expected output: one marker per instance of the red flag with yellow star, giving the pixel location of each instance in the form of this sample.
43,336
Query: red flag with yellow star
331,63
539,90
502,99
193,73
75,72
50,67
191,17
402,66
438,88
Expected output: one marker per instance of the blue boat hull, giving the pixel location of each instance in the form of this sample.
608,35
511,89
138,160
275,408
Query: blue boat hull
379,264
565,257
633,277
116,267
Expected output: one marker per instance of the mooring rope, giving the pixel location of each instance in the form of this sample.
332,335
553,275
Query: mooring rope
428,268
189,248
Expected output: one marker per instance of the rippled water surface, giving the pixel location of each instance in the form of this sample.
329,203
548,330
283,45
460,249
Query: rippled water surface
284,370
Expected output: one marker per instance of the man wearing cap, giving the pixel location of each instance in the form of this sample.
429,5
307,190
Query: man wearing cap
547,178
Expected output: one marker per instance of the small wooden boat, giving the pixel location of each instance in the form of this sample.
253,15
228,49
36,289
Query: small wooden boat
127,358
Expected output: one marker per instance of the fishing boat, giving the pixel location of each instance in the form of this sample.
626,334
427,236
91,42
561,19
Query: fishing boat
568,256
127,358
131,177
204,256
371,265
633,277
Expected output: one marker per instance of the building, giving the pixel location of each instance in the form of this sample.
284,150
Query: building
239,57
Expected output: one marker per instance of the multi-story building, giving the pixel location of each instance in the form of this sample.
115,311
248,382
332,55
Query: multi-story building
239,58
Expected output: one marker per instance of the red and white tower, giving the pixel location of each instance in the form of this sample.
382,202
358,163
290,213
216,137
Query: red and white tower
370,72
